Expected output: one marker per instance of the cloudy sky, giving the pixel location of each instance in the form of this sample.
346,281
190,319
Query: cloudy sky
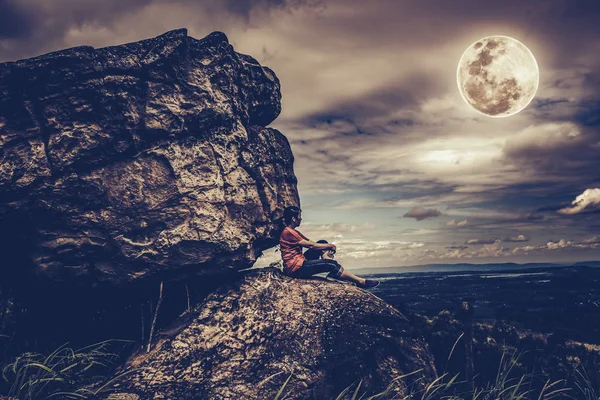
393,165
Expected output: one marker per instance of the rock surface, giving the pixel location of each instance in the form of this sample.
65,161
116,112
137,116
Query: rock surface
247,338
145,159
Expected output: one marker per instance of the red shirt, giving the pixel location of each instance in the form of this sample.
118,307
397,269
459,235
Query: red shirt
291,251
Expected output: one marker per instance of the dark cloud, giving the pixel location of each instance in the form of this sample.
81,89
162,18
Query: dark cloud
516,239
35,27
421,213
548,103
557,149
244,7
365,112
549,208
419,191
531,217
529,200
569,27
522,220
40,29
589,113
481,241
14,22
457,247
335,122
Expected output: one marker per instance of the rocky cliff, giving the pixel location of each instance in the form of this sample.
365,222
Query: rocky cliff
145,159
246,339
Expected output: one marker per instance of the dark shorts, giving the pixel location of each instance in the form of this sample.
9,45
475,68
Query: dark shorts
311,267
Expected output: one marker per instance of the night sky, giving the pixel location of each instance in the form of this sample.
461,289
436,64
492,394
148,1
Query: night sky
393,166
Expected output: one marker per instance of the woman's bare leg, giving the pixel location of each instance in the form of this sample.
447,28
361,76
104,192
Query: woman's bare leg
347,276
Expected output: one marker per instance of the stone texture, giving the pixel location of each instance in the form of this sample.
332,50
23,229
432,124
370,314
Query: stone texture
247,338
139,160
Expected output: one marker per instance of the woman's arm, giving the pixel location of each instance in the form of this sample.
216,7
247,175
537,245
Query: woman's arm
328,255
316,246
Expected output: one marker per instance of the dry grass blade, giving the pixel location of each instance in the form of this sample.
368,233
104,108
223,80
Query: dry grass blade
451,381
588,391
547,386
153,326
391,386
455,343
516,387
277,397
551,395
53,354
343,393
107,384
433,387
476,395
71,395
41,380
356,391
100,345
268,378
69,367
405,375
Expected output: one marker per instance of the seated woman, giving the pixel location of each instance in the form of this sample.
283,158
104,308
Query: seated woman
295,263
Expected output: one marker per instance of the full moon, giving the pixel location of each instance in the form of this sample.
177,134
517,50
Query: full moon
498,76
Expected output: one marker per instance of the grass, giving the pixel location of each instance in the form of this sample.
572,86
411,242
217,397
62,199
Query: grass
584,385
63,373
59,375
506,386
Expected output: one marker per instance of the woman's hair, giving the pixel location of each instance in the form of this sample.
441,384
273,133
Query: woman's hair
289,213
312,254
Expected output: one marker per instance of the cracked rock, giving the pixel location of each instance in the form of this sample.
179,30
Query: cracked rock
139,160
247,338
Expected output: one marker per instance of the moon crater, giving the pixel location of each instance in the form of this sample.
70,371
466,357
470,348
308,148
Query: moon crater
498,76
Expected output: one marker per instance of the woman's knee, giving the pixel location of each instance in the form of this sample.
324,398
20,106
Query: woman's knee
336,269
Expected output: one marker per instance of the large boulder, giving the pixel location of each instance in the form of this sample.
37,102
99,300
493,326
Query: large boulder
246,339
141,160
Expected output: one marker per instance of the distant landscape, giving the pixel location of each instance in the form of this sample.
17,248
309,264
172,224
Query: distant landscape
545,298
468,267
544,316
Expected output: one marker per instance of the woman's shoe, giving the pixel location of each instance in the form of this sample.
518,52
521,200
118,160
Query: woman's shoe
369,283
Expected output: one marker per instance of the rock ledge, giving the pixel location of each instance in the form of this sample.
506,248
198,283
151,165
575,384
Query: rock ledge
140,160
246,339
